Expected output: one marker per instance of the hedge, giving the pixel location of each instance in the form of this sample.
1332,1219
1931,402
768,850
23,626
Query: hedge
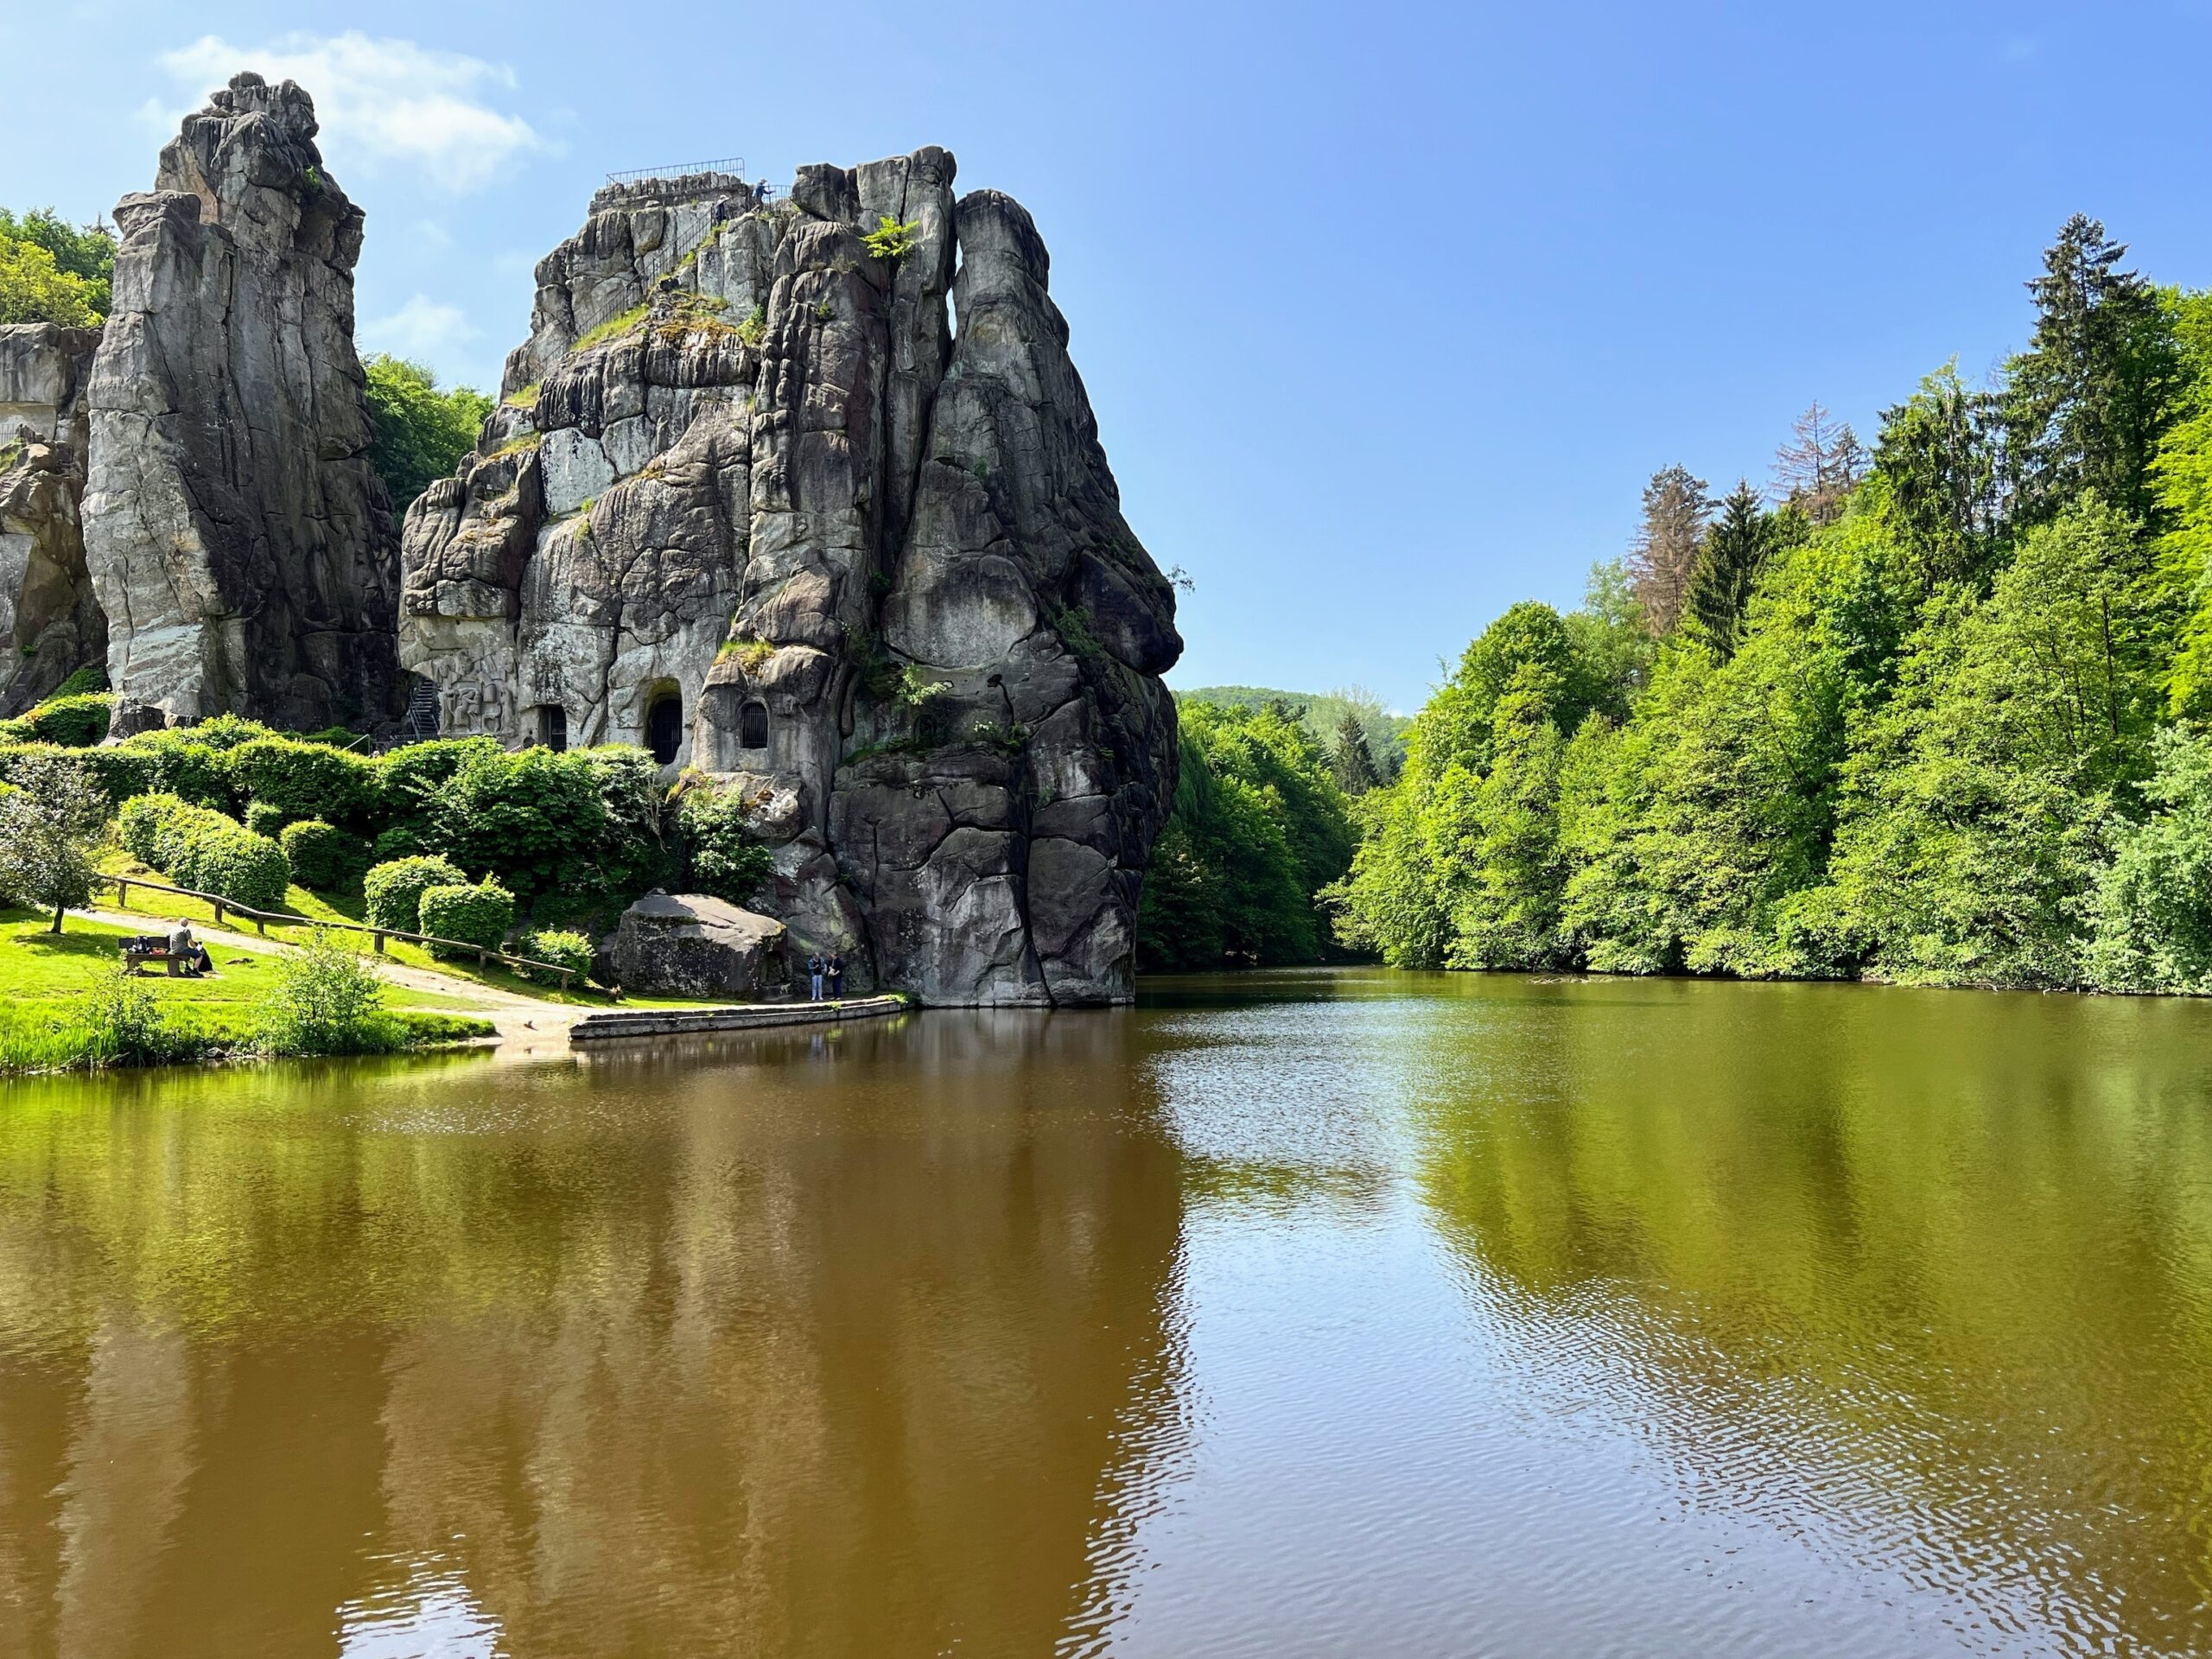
265,819
324,857
306,780
560,948
478,915
74,723
204,850
394,890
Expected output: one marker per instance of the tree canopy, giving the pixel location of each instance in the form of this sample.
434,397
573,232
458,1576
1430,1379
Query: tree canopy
422,432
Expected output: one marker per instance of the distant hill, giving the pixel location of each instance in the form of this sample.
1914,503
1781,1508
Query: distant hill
1325,713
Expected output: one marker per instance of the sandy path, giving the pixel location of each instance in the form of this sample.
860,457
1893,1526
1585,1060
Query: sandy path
529,1028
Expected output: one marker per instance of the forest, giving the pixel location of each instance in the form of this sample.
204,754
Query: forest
1932,712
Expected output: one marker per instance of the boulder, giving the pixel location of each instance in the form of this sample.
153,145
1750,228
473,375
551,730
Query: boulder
238,538
689,944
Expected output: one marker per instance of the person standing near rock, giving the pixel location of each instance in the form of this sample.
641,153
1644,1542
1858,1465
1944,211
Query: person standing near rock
814,977
836,975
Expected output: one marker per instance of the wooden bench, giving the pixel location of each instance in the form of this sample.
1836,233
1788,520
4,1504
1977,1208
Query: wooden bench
139,949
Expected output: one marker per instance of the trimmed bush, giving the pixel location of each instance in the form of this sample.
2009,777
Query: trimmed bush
324,857
91,678
226,858
264,818
204,850
394,890
119,775
305,780
178,763
152,828
75,723
478,915
560,948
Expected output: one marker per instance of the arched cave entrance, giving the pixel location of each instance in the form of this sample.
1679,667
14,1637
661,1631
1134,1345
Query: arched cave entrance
753,726
553,727
665,726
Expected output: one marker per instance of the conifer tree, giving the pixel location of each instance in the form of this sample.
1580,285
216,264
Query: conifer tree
1735,550
2099,385
1352,759
1818,467
1663,557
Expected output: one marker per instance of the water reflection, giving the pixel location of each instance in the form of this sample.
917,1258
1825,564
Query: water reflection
1292,1315
1924,1279
832,1348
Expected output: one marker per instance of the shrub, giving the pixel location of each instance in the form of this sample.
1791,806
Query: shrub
478,915
74,723
324,857
124,1023
890,239
327,1001
224,858
560,948
264,818
305,780
178,763
394,890
534,818
151,827
721,856
91,678
119,775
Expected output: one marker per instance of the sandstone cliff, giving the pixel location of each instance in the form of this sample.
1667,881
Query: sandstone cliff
50,623
239,542
752,499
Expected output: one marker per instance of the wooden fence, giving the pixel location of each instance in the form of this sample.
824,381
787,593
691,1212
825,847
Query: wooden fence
485,955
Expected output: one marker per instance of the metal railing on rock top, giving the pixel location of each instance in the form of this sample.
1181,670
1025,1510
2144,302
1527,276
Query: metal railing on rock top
731,164
485,955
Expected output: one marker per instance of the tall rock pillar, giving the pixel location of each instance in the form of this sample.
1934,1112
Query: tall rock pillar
239,541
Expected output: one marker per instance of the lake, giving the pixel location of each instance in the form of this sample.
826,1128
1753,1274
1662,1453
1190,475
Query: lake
1316,1314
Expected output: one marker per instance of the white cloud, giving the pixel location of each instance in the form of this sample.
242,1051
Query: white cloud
424,329
381,102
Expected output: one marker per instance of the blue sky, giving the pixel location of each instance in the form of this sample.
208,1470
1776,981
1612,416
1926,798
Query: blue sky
1387,311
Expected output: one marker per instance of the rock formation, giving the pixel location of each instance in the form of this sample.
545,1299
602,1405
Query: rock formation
689,944
50,623
751,500
239,541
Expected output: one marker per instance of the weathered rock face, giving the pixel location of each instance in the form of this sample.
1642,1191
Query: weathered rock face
752,500
238,540
689,944
50,623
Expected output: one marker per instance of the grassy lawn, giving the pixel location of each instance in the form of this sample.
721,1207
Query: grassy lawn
45,977
348,907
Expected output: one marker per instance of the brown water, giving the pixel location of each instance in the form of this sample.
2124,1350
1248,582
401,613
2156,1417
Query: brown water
1360,1313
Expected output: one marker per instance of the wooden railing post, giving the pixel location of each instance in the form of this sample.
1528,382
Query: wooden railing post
218,912
378,937
122,893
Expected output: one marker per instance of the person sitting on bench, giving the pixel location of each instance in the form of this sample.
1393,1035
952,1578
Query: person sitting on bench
188,951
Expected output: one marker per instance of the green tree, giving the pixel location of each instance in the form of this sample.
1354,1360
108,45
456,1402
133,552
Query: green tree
86,252
2100,383
47,822
32,289
422,433
1735,550
1508,915
1349,757
2153,917
1258,826
1936,465
1978,805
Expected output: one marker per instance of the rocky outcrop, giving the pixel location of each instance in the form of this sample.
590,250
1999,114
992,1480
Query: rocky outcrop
689,944
50,623
752,499
238,540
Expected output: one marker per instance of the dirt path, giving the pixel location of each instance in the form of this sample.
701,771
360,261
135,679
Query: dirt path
529,1028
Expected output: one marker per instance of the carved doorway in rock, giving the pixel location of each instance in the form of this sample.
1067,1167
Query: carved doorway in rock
664,725
753,726
553,727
